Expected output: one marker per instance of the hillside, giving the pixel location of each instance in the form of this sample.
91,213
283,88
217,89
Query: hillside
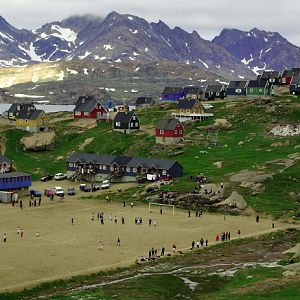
64,82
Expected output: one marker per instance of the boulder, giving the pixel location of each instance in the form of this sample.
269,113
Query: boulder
223,123
235,199
218,164
41,141
250,176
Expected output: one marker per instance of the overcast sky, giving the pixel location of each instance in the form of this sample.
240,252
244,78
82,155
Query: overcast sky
208,17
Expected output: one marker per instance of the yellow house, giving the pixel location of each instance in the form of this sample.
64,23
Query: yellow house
33,121
190,110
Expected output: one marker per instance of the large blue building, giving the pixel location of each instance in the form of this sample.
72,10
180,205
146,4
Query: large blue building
15,182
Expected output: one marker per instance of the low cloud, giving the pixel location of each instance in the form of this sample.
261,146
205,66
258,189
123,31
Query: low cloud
208,18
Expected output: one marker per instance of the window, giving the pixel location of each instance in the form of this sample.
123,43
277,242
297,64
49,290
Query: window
134,170
180,131
182,110
164,172
118,124
21,120
133,118
238,91
77,113
132,124
188,110
175,131
136,124
217,94
260,90
86,113
71,164
161,131
26,121
104,167
127,169
100,167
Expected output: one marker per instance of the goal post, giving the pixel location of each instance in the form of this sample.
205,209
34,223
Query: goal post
162,205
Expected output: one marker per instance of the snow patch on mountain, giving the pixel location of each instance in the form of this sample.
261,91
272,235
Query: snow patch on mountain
66,34
87,53
107,47
204,63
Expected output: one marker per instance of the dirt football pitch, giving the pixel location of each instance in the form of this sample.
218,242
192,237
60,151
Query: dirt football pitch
63,250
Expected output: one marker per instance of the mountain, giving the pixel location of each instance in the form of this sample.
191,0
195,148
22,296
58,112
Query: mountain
116,38
259,49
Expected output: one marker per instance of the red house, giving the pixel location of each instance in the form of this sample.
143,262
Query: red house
90,108
168,131
286,77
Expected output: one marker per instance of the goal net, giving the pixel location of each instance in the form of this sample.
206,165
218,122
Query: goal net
161,207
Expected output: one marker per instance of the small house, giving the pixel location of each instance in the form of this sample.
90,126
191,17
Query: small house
190,110
273,77
90,108
215,91
126,122
260,87
192,92
16,108
286,77
237,89
295,86
33,121
5,164
172,94
144,102
168,131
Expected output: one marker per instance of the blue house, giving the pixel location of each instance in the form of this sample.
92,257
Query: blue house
172,94
94,167
15,182
237,89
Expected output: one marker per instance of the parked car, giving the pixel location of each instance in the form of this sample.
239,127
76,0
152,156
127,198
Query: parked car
47,177
71,191
60,176
95,186
59,191
35,193
48,192
105,184
85,188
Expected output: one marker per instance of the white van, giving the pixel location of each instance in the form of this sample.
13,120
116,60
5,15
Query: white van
105,184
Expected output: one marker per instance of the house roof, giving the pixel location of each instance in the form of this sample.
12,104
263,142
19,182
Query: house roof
172,90
214,88
4,159
86,103
258,83
14,174
89,157
287,73
23,106
30,115
144,100
191,90
237,84
148,163
186,104
124,117
167,124
270,74
295,80
133,162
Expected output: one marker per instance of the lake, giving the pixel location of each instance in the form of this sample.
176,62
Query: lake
48,108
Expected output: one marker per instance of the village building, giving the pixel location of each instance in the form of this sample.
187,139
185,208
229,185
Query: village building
192,92
16,108
295,86
190,110
168,131
237,89
215,91
172,94
126,122
286,77
5,164
260,87
16,182
144,102
274,77
90,108
32,121
97,168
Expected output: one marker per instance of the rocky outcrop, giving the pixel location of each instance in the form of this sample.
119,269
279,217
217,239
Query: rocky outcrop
285,130
235,200
250,176
39,141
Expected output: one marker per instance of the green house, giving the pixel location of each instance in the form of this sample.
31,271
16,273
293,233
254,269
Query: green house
260,87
